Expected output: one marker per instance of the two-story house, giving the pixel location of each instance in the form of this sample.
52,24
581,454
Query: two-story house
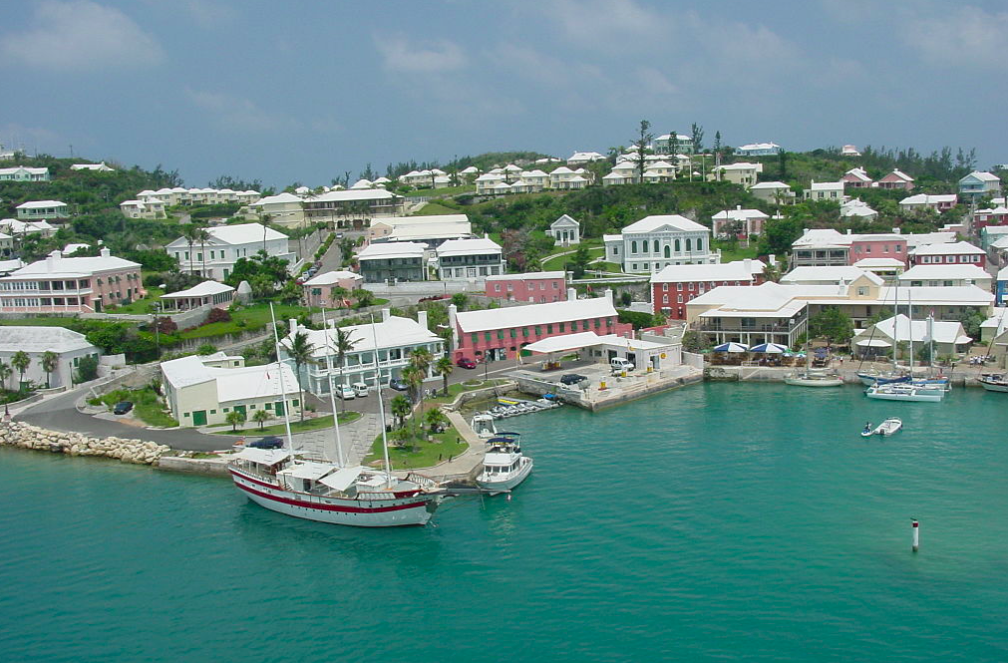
78,285
392,261
825,191
743,223
658,241
675,286
979,184
742,173
24,174
215,256
535,287
462,259
42,209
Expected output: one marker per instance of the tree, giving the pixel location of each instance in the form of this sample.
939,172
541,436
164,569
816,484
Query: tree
49,361
236,418
401,408
342,345
971,321
778,235
832,324
773,272
782,164
364,298
300,350
641,145
717,142
21,361
697,137
87,369
260,417
435,420
337,295
579,263
444,367
5,373
202,236
695,341
191,233
460,300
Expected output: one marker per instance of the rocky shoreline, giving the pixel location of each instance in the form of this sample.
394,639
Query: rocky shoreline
26,436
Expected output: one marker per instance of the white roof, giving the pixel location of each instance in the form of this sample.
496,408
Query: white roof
859,173
826,186
740,214
377,250
41,339
658,221
938,272
950,248
983,176
535,314
457,247
565,220
332,276
263,456
83,266
742,165
277,199
901,175
757,146
233,384
27,169
356,194
729,271
769,185
204,289
825,275
929,199
998,321
528,276
469,170
565,343
392,333
900,328
243,233
341,479
867,263
856,207
39,204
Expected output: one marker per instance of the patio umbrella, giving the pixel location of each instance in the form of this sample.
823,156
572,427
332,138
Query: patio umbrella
731,346
769,348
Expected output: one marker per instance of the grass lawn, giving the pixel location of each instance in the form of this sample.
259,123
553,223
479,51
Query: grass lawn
251,318
440,447
435,207
606,267
731,252
317,423
147,405
443,191
558,262
140,306
456,389
39,322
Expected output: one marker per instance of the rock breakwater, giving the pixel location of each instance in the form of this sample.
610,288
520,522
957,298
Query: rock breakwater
134,451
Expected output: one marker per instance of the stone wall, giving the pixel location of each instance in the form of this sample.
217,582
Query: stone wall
27,436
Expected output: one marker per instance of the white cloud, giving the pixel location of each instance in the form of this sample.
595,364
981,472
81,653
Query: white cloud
81,35
429,57
966,35
547,70
209,14
237,113
597,23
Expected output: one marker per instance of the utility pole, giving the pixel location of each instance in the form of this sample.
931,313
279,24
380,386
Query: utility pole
157,328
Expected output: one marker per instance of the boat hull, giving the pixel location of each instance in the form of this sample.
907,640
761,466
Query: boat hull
994,386
806,382
400,511
497,487
914,396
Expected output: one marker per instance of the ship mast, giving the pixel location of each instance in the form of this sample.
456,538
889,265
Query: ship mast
283,389
381,406
332,397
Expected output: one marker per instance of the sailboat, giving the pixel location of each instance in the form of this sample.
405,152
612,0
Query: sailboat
812,378
925,390
333,492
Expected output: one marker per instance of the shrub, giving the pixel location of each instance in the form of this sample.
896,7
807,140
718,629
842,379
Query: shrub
218,315
206,349
167,326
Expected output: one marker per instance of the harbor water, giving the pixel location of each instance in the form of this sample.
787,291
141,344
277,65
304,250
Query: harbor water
720,521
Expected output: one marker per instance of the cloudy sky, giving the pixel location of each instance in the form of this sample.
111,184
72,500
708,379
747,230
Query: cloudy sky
303,91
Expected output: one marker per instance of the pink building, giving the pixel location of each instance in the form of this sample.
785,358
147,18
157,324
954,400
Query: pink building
878,245
501,333
537,287
950,253
996,216
320,290
77,285
856,178
896,180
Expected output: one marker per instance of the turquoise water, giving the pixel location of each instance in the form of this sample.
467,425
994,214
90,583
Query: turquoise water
723,521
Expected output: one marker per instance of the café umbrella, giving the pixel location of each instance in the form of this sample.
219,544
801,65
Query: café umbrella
769,348
731,346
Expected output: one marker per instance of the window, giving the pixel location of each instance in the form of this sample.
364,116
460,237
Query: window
668,251
524,332
563,327
213,411
514,333
549,328
664,287
679,286
689,244
497,287
556,286
633,246
692,286
598,322
679,299
486,336
677,249
655,246
538,330
664,299
862,291
699,245
500,334
474,338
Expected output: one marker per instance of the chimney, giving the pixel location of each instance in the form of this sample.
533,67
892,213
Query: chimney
422,318
453,322
292,326
804,231
386,313
571,294
105,253
608,295
738,207
772,258
848,231
896,230
748,265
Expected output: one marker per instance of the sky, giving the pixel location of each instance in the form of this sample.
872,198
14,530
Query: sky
299,91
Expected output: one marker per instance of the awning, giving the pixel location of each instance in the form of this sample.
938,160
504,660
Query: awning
310,471
963,340
564,343
769,348
731,347
263,456
341,479
873,343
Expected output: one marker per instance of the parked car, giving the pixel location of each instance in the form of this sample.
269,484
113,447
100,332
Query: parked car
361,389
346,392
572,379
465,362
268,442
619,364
122,407
398,384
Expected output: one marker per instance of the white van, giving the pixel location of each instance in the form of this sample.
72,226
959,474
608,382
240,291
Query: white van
619,364
360,389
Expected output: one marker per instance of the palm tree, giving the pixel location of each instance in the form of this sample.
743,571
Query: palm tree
400,409
50,360
21,361
202,236
265,225
338,294
364,297
260,417
236,418
342,344
5,373
773,272
435,419
300,350
191,233
444,368
421,360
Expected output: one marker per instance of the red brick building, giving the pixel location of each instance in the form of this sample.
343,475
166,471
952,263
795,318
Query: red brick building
673,287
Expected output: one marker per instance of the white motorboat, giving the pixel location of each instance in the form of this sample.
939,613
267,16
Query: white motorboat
901,391
994,382
504,466
813,379
887,427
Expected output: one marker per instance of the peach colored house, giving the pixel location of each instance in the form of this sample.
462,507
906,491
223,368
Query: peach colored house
897,179
79,285
318,290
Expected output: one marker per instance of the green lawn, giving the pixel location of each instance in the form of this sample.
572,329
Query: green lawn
440,447
456,389
435,208
558,262
730,253
39,322
251,318
147,406
140,306
317,423
443,191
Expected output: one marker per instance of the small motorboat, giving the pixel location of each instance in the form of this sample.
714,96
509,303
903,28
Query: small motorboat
868,430
504,465
889,426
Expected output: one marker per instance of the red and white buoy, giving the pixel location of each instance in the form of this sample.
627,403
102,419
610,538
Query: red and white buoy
916,536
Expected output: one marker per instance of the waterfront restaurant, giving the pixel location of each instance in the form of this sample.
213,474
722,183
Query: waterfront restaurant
498,334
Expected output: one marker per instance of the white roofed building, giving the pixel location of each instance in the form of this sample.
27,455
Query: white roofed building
579,159
152,208
431,230
322,289
742,173
857,208
208,293
758,150
42,209
936,276
216,256
738,222
532,287
658,241
825,191
979,184
346,208
18,228
940,202
778,193
857,178
69,346
394,337
468,259
93,167
392,261
829,275
949,337
948,253
676,285
897,179
201,391
284,209
24,174
565,230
